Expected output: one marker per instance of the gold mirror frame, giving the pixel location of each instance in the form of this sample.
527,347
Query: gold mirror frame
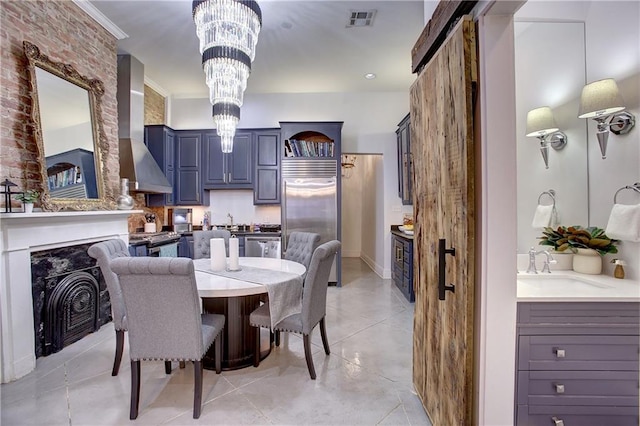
95,89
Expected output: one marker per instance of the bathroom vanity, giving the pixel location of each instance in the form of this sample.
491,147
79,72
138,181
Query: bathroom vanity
577,350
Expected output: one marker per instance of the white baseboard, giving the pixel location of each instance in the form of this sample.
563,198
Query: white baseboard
375,267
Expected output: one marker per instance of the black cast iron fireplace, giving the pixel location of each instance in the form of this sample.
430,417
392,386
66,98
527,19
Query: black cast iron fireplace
70,298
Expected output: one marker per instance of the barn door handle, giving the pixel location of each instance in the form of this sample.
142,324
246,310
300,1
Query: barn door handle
442,264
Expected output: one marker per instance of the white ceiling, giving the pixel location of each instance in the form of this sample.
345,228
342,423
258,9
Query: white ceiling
304,45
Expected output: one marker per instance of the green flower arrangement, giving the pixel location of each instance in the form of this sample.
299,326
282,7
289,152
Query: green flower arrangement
575,237
29,196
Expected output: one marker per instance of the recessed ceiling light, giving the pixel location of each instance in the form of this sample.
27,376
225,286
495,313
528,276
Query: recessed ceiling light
369,76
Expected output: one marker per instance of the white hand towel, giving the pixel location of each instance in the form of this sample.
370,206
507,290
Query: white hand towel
624,223
543,216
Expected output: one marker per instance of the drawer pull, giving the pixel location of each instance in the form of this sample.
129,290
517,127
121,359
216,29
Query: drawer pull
559,388
399,256
559,353
557,421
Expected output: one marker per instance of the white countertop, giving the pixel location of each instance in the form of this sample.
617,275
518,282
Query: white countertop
569,286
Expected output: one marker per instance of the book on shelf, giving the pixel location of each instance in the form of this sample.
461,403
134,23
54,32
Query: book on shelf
304,148
65,177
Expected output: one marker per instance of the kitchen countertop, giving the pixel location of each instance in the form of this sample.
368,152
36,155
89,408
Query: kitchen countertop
243,233
396,231
556,288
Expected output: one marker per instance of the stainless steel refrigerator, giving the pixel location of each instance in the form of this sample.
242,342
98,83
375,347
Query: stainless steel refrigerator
310,203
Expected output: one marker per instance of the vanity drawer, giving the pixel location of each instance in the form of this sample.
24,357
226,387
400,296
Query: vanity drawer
558,313
587,352
618,388
576,416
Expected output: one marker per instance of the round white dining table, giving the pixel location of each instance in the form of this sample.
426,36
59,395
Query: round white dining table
211,285
236,299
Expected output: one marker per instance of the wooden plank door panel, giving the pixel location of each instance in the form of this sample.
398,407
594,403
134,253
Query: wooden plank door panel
442,149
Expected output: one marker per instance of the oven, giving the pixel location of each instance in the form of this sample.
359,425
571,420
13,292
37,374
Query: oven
157,244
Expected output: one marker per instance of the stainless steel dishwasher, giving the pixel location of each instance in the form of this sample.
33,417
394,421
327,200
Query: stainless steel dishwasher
262,246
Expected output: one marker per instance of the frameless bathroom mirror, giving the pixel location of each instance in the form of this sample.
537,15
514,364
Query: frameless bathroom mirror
69,135
550,71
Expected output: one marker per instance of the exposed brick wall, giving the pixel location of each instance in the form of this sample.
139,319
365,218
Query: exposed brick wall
153,107
66,34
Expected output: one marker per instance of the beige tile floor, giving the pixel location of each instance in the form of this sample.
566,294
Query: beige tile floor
365,381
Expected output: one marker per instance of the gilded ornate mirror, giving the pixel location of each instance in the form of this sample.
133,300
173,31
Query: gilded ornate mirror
68,128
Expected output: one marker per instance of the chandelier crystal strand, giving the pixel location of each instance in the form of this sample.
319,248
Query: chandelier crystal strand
228,33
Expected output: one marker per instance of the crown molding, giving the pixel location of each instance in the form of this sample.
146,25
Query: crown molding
101,19
155,86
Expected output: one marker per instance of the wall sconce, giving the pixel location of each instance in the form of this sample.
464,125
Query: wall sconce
601,100
540,123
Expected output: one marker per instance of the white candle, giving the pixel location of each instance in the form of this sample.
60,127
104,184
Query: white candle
234,252
218,254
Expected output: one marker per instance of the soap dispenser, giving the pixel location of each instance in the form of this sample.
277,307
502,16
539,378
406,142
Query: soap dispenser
619,271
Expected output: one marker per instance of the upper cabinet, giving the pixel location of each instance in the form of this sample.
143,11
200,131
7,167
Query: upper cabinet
405,162
232,170
188,184
266,189
160,141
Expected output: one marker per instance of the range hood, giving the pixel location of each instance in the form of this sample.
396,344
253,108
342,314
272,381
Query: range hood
136,162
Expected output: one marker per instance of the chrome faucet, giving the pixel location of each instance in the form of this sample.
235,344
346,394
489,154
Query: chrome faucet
547,261
230,218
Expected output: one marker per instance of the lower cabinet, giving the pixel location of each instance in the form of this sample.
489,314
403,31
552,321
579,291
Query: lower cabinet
402,265
185,246
139,250
577,363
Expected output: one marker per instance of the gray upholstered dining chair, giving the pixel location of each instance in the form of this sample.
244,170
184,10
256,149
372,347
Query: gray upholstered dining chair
300,247
165,322
314,303
202,242
104,252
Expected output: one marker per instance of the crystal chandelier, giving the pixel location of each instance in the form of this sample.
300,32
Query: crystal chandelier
228,33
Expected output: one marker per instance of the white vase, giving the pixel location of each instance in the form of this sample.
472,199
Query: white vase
28,207
587,261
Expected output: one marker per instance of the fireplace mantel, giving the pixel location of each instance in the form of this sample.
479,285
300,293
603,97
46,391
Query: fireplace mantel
20,235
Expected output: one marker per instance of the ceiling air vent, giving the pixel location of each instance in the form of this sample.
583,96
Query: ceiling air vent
361,18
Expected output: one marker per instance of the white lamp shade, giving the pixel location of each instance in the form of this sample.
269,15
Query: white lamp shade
540,122
600,98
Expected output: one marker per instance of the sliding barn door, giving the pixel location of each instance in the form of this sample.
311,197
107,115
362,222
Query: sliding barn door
442,149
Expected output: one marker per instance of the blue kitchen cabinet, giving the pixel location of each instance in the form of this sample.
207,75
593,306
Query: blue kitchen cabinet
138,250
267,167
232,170
405,162
402,264
189,189
160,141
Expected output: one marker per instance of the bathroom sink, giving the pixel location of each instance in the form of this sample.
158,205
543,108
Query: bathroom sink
557,285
